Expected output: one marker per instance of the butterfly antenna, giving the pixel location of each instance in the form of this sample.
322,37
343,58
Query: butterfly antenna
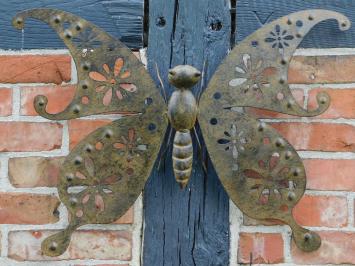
200,151
166,148
161,83
202,84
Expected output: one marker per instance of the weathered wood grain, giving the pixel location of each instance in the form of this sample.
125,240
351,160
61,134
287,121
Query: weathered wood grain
121,18
191,226
252,14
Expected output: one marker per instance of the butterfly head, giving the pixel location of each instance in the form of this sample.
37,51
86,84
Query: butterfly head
184,76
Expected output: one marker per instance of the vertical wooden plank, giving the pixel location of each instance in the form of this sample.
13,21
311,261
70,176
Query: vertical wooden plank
253,14
191,226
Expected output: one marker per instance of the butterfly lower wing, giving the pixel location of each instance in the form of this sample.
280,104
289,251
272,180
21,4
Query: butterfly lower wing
110,77
261,172
254,74
105,173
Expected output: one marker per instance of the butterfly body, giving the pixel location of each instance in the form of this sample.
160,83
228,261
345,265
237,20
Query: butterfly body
182,113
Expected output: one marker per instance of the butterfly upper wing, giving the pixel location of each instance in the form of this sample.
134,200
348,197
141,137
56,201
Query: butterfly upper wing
254,74
261,172
105,173
110,77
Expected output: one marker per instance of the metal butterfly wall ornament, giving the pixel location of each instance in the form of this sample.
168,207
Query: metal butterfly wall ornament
261,172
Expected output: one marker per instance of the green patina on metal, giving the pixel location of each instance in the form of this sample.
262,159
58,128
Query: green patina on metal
262,173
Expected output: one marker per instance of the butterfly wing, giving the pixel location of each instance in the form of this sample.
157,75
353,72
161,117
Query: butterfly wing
105,173
254,74
110,77
261,172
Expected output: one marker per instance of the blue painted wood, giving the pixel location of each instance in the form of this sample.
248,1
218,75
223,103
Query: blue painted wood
252,14
191,226
121,18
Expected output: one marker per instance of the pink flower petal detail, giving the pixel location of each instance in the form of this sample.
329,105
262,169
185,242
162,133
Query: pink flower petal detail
119,146
131,134
125,74
107,98
106,68
118,66
97,76
85,198
80,175
119,95
128,87
99,203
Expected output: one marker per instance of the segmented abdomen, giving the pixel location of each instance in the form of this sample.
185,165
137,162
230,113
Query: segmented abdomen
182,157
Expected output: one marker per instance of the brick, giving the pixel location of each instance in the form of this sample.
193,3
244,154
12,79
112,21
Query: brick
127,218
30,172
89,244
264,248
35,69
59,97
260,113
28,136
328,211
322,69
336,248
318,136
5,102
342,103
79,129
325,174
24,208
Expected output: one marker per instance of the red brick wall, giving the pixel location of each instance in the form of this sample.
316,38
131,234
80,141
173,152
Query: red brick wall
327,145
31,151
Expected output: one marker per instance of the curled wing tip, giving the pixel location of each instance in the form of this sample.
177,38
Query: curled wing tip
344,22
55,245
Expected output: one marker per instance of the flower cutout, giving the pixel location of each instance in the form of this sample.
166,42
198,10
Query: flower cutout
271,178
130,145
111,82
279,38
252,77
234,142
95,193
86,41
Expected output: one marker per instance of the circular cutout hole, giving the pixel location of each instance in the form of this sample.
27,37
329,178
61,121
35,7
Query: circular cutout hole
299,23
130,171
148,101
254,43
217,95
213,121
152,126
280,96
85,100
99,146
89,148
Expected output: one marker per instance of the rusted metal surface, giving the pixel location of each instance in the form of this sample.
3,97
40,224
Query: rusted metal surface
260,170
111,78
105,173
262,173
255,72
182,113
